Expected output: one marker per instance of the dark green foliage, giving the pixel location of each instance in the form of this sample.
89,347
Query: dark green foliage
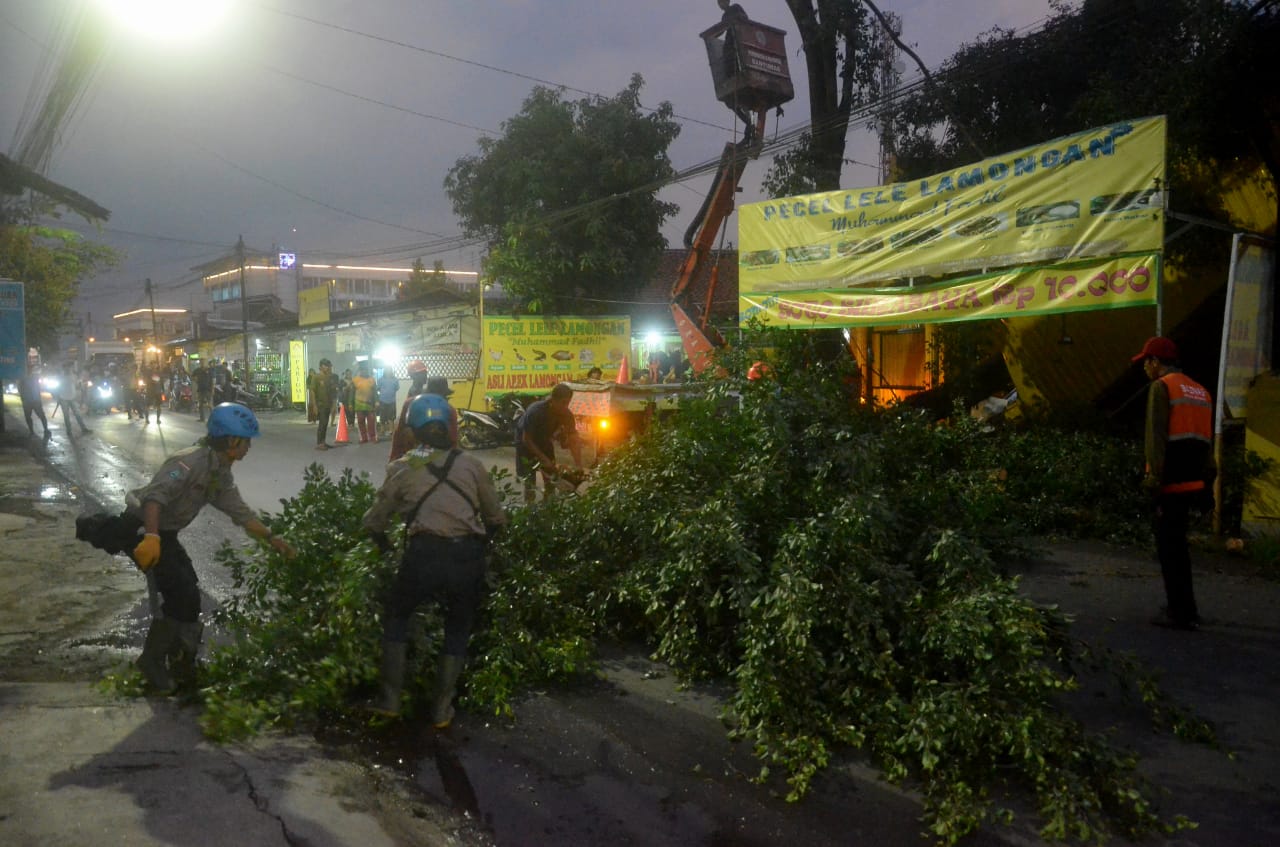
306,630
566,198
841,567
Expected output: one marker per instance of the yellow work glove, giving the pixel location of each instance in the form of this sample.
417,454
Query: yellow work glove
147,553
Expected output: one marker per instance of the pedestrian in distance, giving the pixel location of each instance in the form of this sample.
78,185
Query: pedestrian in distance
202,379
65,399
347,395
364,392
388,388
402,440
1179,471
545,422
451,512
32,402
153,394
187,482
324,390
311,397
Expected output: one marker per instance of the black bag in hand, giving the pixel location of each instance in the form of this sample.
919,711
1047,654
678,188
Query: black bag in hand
113,533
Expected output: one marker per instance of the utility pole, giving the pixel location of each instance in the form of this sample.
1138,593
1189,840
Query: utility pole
155,334
244,315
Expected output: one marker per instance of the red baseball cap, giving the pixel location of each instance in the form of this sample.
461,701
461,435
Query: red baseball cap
1160,347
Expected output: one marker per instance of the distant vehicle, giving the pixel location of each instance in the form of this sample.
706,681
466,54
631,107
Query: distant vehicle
50,383
101,354
102,396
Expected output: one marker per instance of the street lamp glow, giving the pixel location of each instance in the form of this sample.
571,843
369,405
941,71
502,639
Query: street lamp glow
167,19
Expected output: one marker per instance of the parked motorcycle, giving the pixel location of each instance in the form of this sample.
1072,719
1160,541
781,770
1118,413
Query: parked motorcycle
234,392
477,430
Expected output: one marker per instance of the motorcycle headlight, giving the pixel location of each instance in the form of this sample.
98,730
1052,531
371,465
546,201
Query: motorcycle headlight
104,391
50,383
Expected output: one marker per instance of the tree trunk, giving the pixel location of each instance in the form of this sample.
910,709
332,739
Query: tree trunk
830,88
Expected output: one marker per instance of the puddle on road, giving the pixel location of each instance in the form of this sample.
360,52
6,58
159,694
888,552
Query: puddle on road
27,499
59,493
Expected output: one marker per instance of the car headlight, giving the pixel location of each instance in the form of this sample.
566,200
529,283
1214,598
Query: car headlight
104,391
50,383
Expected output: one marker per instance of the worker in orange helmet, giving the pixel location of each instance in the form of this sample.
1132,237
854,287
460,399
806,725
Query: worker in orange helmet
402,440
758,371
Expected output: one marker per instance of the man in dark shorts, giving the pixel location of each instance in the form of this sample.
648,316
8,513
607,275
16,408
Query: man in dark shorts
542,424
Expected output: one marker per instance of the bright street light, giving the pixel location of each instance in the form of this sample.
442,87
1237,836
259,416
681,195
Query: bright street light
167,19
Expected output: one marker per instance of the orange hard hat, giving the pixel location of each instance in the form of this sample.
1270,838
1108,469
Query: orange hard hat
759,370
416,367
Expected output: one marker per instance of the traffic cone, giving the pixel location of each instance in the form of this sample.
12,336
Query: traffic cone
624,373
342,437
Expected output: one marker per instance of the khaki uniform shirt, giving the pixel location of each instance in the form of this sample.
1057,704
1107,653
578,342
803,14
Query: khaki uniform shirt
446,512
187,481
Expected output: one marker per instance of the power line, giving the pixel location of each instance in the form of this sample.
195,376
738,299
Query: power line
452,58
309,198
384,104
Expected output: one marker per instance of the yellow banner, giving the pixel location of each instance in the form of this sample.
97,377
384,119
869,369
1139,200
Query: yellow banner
531,355
1074,286
297,372
1094,194
313,305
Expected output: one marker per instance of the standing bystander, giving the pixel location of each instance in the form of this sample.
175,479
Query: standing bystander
65,399
388,388
324,390
402,440
364,391
202,377
1179,472
32,402
153,394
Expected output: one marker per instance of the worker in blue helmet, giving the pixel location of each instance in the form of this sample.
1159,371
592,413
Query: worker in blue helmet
185,483
451,510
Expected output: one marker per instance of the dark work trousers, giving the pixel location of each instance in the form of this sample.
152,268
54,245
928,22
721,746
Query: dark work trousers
176,581
323,413
448,571
1171,520
36,407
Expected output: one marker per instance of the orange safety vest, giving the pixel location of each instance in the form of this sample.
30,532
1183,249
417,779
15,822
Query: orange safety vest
1190,434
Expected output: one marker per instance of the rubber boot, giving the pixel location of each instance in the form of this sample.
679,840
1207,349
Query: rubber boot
162,640
447,673
182,661
388,700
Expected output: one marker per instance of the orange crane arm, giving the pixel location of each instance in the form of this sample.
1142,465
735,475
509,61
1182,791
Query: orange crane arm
699,338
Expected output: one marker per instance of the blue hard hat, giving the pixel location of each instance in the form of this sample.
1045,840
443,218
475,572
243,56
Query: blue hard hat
233,419
428,408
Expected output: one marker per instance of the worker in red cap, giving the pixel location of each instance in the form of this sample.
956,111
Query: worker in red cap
1179,473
